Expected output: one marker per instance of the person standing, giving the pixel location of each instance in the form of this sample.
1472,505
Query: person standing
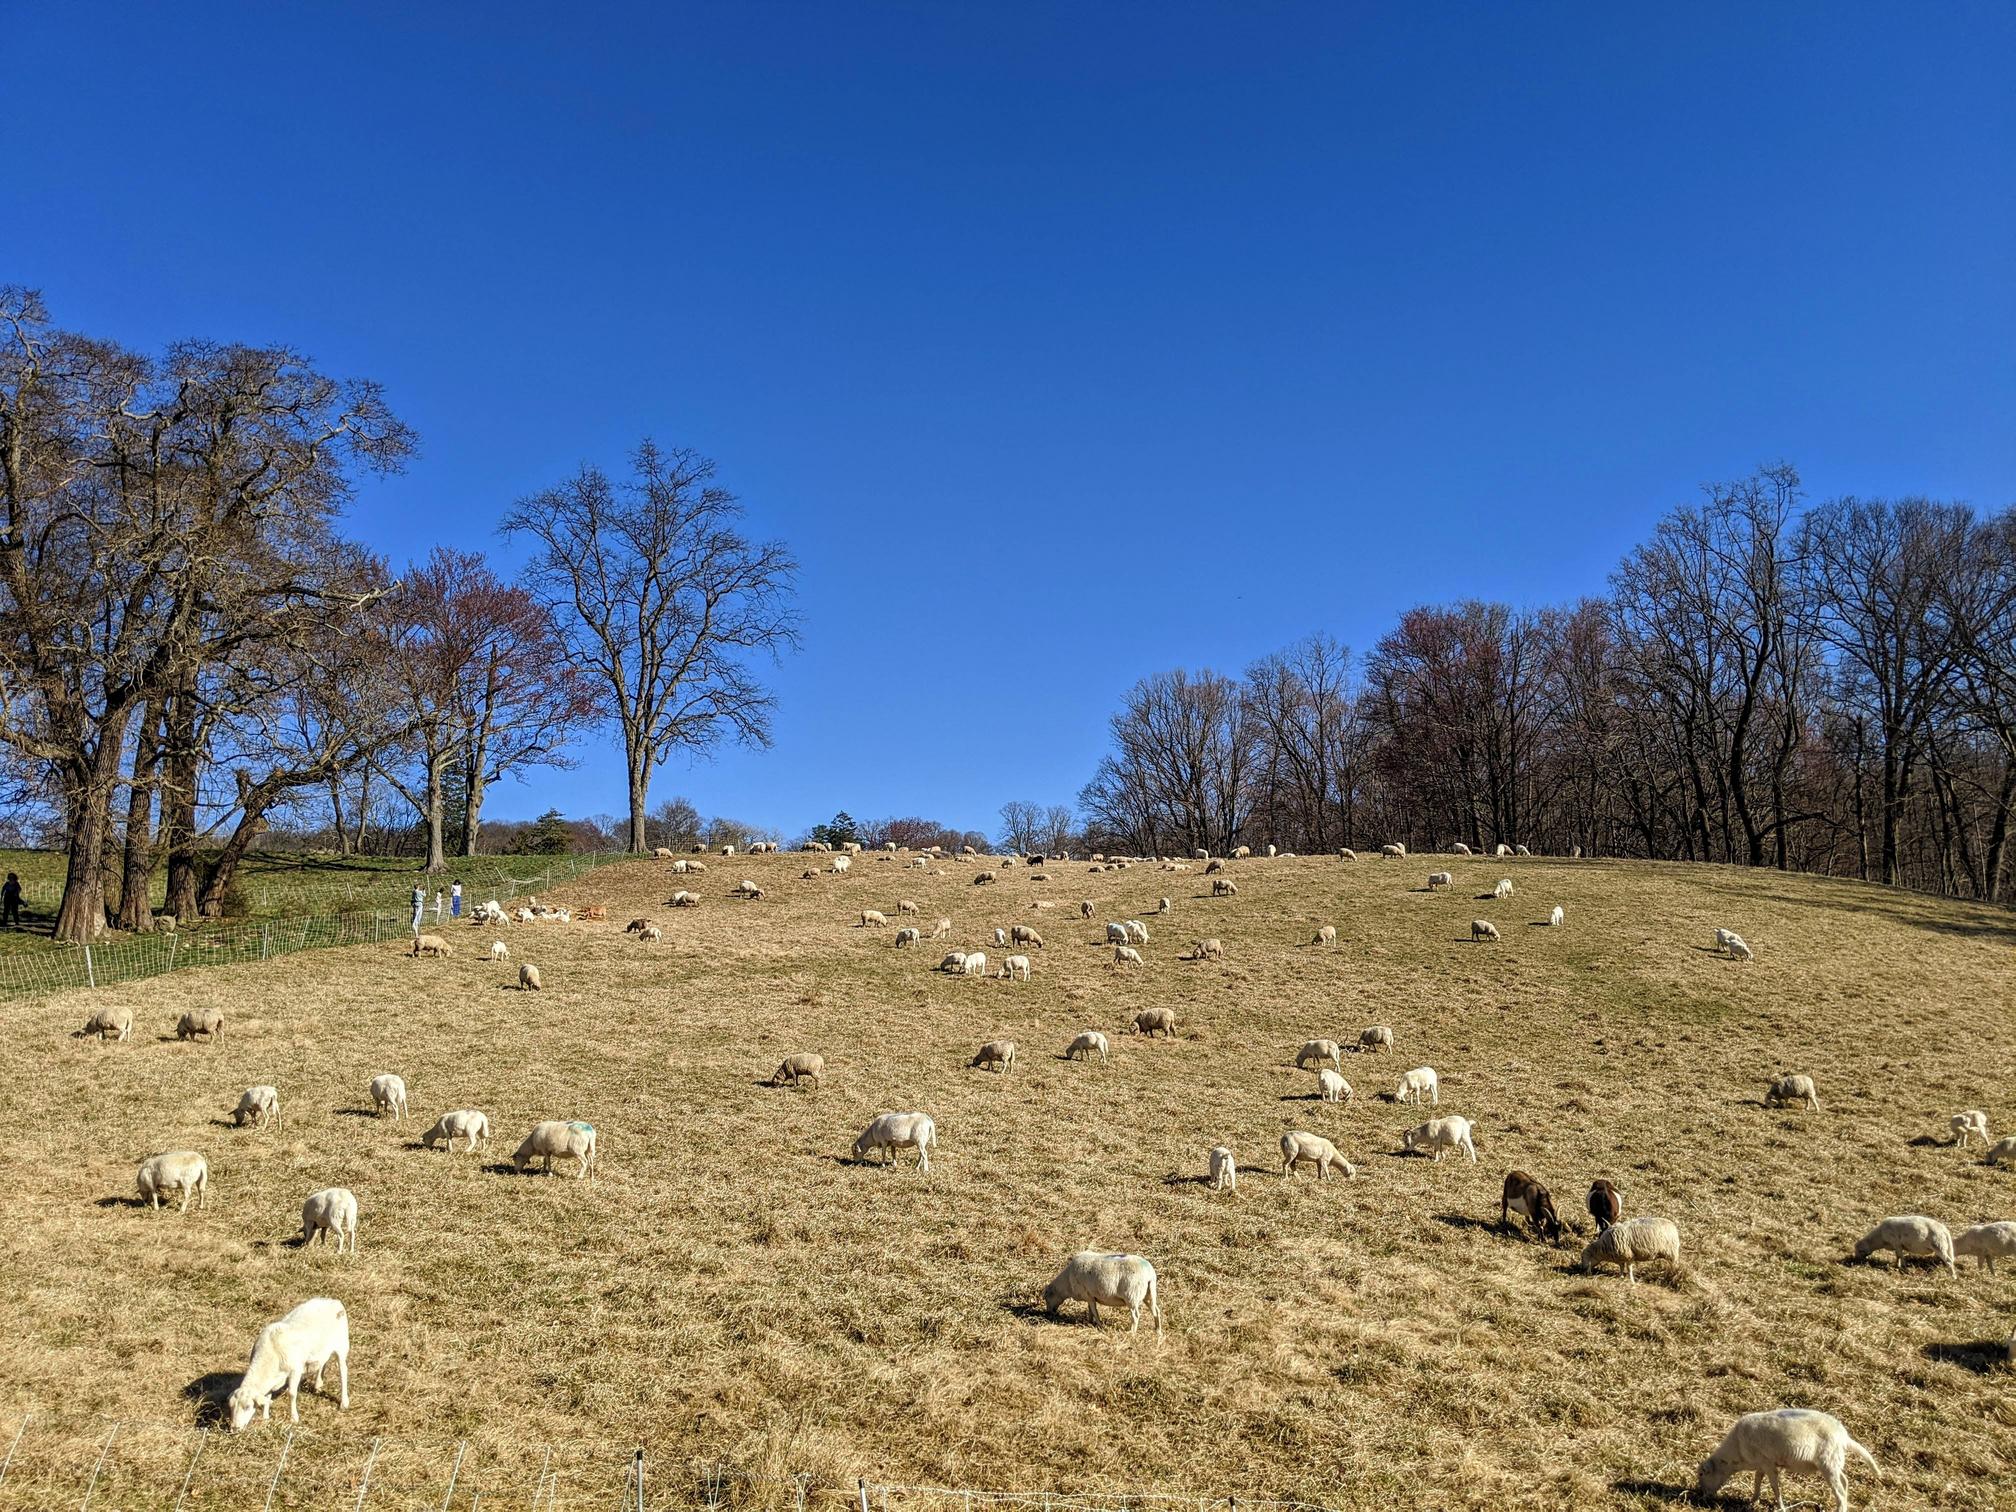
455,901
10,901
419,905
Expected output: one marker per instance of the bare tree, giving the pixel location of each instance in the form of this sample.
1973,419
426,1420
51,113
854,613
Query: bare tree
663,600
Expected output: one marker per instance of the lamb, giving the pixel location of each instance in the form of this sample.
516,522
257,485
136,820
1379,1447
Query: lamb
1327,935
1241,852
1224,1175
1347,854
1555,919
650,934
1441,1135
953,963
431,945
890,1132
1987,1242
1394,850
458,1123
941,929
109,1023
1419,1083
1150,1020
1482,929
492,912
1000,936
997,1054
1127,955
746,890
1503,889
257,1106
800,1068
1605,1206
841,864
1374,1038
1520,850
1015,967
1299,1148
1632,1243
1212,870
1103,1280
1909,1235
1089,1043
1460,848
205,1022
1531,1201
1971,1124
1729,940
1224,887
1319,1051
975,964
908,937
1023,934
306,1339
1440,879
1116,934
388,1094
556,1137
661,853
1207,950
683,899
680,867
637,926
499,951
333,1210
1332,1088
1792,1438
1790,1088
1501,849
174,1171
2004,1149
1137,932
907,906
528,974
1085,909
873,918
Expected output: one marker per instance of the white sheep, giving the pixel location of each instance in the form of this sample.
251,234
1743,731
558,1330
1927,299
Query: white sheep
1332,1088
1151,1021
431,945
1127,955
1973,1124
1558,917
908,906
1319,1051
388,1094
1015,967
650,934
1224,1175
1420,1083
890,1132
799,1068
1301,1148
975,964
1632,1243
1503,889
683,899
1987,1242
1501,849
1374,1038
109,1023
1023,934
306,1339
1116,934
1224,887
1441,1135
1241,852
997,1055
1520,850
1000,937
1103,1280
953,963
1791,1088
1327,935
908,936
941,929
559,1138
173,1171
1347,854
204,1023
1088,1044
1911,1234
1483,929
841,863
873,918
1207,950
499,951
1440,879
1729,940
1394,851
256,1106
1792,1438
333,1210
1461,849
458,1123
528,974
2003,1150
1086,908
1137,932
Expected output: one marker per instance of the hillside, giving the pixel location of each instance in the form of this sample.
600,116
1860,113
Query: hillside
733,1288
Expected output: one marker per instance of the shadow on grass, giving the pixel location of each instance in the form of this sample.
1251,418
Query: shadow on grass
1983,921
1466,1221
1656,1491
1984,1357
1172,1179
123,1202
356,1112
1928,1142
210,1392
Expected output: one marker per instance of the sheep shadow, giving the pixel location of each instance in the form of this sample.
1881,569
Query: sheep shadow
356,1112
1029,1312
210,1392
1984,1357
1929,1142
1174,1180
1656,1491
1467,1221
123,1202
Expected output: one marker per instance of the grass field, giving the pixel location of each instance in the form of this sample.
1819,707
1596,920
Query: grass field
734,1288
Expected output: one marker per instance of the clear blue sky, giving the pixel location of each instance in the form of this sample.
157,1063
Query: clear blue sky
1064,342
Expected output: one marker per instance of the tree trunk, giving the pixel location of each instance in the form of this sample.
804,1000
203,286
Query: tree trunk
80,918
137,872
472,821
224,869
639,766
437,856
1998,834
178,803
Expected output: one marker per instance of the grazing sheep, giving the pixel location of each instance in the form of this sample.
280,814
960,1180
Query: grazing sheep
1151,1020
1127,955
1022,934
1973,1124
1460,848
1501,849
1241,852
1441,1135
1420,1083
594,913
2003,1150
1000,936
873,918
1520,850
661,853
798,1068
1224,1175
907,906
908,936
1224,887
561,1138
388,1094
1332,1088
1790,1088
1211,870
1503,889
1137,932
1116,934
1632,1243
998,1055
306,1339
1558,917
681,867
1913,1235
683,899
458,1123
528,974
1440,879
1319,1051
431,945
890,1132
1016,967
1300,1148
208,1023
941,929
1086,909
746,890
257,1106
1207,950
1729,940
1042,904
1089,1043
636,926
1605,1206
499,951
1483,929
1374,1038
1347,854
109,1023
1395,850
841,864
174,1171
1103,1280
650,934
1531,1201
1987,1242
982,878
333,1210
953,963
975,964
1792,1438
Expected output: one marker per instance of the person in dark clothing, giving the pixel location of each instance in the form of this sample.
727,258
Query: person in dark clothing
10,901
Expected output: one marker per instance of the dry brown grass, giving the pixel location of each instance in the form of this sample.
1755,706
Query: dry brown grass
733,1287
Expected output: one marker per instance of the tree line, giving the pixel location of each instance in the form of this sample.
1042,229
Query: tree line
192,651
1823,687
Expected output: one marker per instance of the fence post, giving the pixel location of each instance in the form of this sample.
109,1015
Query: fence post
90,976
4,1463
265,940
202,1437
274,1484
365,1484
103,1450
637,1476
861,1485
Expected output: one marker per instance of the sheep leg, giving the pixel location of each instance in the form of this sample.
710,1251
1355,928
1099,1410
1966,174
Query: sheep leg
1092,1313
294,1395
343,1378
